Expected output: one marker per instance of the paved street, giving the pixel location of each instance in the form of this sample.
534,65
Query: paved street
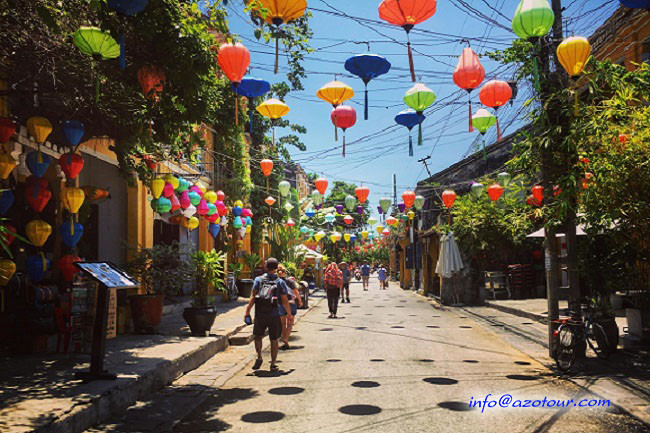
390,363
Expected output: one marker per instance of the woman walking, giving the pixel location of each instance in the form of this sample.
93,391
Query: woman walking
292,296
333,284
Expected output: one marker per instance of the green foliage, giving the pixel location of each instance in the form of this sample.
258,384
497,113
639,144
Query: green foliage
209,273
161,269
283,241
251,260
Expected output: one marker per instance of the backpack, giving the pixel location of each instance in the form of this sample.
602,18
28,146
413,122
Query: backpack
266,299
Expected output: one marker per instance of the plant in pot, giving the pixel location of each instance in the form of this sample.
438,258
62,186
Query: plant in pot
161,271
245,285
209,271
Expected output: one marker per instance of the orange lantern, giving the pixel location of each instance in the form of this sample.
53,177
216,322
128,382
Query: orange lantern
468,75
362,193
267,167
321,185
494,94
494,191
348,219
538,193
391,221
234,60
269,201
448,198
409,199
151,81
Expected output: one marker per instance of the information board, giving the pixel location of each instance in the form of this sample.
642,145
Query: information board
108,274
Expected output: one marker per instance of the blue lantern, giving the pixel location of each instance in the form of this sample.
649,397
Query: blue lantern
71,233
249,221
130,8
367,66
410,119
37,162
6,200
237,222
73,131
304,230
251,88
309,213
236,211
353,237
214,230
36,267
636,4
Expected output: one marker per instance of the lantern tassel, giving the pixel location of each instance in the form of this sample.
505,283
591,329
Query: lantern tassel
43,261
236,110
277,53
411,65
365,111
344,143
273,132
122,54
498,129
420,134
71,226
469,105
410,145
484,151
39,156
250,119
267,185
336,133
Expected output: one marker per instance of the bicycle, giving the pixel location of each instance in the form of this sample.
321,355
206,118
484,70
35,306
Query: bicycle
231,287
572,331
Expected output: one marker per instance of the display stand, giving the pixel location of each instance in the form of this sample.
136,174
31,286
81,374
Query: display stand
109,277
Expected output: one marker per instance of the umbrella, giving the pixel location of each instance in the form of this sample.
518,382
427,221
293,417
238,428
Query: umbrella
449,260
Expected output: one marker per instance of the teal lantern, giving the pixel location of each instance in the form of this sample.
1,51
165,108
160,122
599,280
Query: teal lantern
304,230
183,185
330,218
195,198
212,209
350,202
163,205
237,223
284,188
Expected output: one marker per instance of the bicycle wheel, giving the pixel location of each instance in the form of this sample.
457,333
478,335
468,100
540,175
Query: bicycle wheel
565,349
597,340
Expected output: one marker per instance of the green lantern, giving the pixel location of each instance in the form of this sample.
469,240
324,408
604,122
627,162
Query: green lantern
350,202
419,202
385,204
477,189
533,19
316,197
503,178
372,221
419,98
288,207
100,45
404,217
482,121
284,188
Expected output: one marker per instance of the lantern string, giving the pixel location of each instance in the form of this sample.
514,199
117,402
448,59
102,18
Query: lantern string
277,53
410,54
236,110
122,54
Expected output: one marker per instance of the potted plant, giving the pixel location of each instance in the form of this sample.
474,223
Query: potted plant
245,285
209,272
161,271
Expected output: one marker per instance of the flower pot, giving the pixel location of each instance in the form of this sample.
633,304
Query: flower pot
245,287
146,312
199,319
637,320
611,331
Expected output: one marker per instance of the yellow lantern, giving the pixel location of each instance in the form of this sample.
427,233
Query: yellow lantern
347,237
249,228
38,231
573,53
201,186
39,128
192,223
273,108
364,234
239,203
210,197
170,178
334,238
318,236
335,92
72,199
157,186
410,214
379,229
7,270
7,164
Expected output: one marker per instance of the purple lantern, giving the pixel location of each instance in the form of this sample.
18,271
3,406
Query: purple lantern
339,209
360,210
318,207
401,207
380,210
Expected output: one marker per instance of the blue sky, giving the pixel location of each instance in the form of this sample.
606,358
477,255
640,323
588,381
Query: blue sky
377,148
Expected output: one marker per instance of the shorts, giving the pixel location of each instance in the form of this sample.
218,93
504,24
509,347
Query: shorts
294,309
365,278
346,286
267,321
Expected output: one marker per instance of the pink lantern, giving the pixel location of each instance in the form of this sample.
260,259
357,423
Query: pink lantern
202,208
245,212
168,190
176,204
185,200
197,190
214,218
344,117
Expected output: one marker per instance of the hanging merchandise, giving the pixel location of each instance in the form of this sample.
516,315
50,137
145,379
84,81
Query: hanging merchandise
176,204
386,232
269,201
334,237
290,222
175,182
157,186
360,210
401,206
36,267
347,237
335,92
372,221
477,189
237,222
221,195
195,198
410,215
503,178
37,162
343,117
72,198
252,88
350,202
318,236
197,189
406,14
362,193
482,121
190,211
379,229
71,164
309,213
468,75
364,234
162,205
267,168
273,109
67,267
321,185
330,218
391,221
409,118
97,44
494,191
214,218
37,193
234,60
419,98
184,200
367,66
214,230
129,8
288,207
37,232
304,230
409,199
7,271
494,94
183,185
316,197
210,196
538,193
384,202
281,12
339,209
6,200
448,198
237,208
284,187
212,209
573,54
202,208
73,130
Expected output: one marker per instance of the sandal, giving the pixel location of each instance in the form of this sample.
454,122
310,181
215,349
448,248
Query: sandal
258,364
274,367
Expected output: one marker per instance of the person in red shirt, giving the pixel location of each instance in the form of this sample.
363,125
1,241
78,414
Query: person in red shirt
333,284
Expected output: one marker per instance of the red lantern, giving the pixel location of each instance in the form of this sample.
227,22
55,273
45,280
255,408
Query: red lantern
623,138
494,191
214,217
67,267
557,190
37,193
267,167
344,117
468,75
409,199
532,201
362,193
321,185
291,223
7,129
221,196
538,193
176,204
448,198
494,94
234,60
71,164
348,219
7,236
151,81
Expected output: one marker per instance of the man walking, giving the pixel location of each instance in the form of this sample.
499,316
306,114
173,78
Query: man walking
345,288
268,291
381,273
365,274
333,284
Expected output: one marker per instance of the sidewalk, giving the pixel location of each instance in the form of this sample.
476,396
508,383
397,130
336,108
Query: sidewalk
40,394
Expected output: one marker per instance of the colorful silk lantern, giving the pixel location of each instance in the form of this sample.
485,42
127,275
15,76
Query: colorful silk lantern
372,221
269,201
37,232
362,193
174,181
573,53
212,209
192,223
321,185
151,79
202,208
73,130
184,200
6,200
330,218
37,194
183,185
636,4
350,202
67,267
409,199
252,88
267,167
197,189
99,45
214,230
344,117
477,189
288,207
7,165
7,271
7,129
334,237
494,191
533,19
482,121
348,219
367,67
335,92
163,205
391,221
284,187
189,211
406,14
494,94
37,267
273,109
290,222
410,215
339,209
210,197
72,198
538,193
360,210
384,202
37,162
309,213
379,228
347,237
448,198
468,75
221,195
157,186
503,178
71,164
195,198
419,98
419,202
318,236
221,208
234,60
364,234
409,118
401,207
39,128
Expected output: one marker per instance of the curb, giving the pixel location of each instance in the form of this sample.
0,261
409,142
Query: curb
517,312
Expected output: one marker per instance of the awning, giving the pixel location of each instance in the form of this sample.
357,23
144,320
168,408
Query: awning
542,233
309,253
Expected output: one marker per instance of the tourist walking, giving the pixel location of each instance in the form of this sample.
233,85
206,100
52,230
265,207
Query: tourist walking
269,292
345,288
382,273
333,284
365,274
293,295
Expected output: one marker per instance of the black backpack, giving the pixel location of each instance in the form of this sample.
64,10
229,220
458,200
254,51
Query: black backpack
266,299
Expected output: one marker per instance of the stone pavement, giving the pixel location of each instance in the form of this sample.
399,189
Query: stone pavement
40,394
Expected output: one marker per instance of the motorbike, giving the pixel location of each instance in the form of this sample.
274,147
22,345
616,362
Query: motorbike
357,275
